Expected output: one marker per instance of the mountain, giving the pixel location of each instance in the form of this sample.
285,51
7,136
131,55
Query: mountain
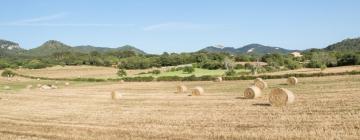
345,45
130,48
10,48
50,47
250,49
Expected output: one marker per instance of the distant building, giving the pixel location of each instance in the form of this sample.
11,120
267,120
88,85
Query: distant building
296,54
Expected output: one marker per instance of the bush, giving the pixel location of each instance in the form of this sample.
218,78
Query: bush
188,69
156,72
239,66
138,79
169,78
7,73
35,64
230,72
121,73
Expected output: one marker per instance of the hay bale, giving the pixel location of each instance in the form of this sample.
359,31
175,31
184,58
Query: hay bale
258,79
252,92
218,79
261,84
292,81
46,87
29,86
181,89
7,87
67,83
38,85
197,91
115,95
53,87
281,97
38,79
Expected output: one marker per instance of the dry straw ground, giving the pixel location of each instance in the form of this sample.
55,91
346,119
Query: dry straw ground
325,108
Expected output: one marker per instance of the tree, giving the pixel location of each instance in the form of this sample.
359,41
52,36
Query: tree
121,73
7,73
188,69
323,67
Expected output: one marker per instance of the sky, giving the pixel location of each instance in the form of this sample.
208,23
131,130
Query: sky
157,26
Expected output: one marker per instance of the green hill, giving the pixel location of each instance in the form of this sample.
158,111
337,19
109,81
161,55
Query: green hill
248,49
345,45
49,47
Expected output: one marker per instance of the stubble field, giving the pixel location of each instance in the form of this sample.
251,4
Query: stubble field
325,108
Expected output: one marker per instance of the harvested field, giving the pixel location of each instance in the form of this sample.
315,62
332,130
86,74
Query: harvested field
325,108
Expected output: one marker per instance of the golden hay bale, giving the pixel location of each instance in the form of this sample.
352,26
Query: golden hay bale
38,79
46,87
218,79
7,87
258,79
252,92
115,95
181,89
53,87
292,81
38,85
67,83
281,97
197,91
261,84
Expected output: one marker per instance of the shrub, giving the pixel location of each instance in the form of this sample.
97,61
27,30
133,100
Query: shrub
230,72
239,66
138,79
156,72
188,69
169,78
7,73
35,64
121,73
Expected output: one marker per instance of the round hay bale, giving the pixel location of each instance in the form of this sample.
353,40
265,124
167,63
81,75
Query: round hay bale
7,87
258,79
46,87
67,83
53,87
38,85
38,79
292,81
281,97
261,84
181,89
29,86
218,79
252,92
197,91
115,95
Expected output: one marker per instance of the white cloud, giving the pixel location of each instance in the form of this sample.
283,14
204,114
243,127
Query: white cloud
46,21
42,19
175,26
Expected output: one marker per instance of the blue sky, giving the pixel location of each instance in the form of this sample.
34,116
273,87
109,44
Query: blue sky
180,25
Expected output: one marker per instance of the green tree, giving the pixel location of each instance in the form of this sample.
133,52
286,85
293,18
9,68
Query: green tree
121,73
189,69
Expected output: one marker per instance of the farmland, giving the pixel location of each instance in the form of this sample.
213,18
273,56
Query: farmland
325,107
